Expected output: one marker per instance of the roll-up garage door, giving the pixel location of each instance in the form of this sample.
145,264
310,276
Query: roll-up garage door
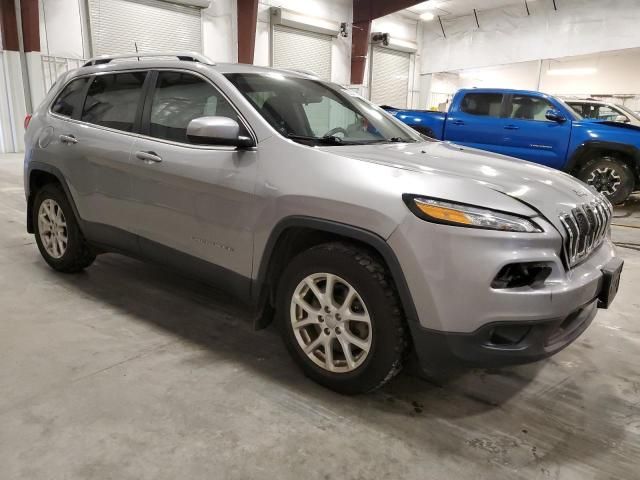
301,50
389,77
155,25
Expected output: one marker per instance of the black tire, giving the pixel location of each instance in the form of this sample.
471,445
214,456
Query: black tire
78,254
610,176
389,337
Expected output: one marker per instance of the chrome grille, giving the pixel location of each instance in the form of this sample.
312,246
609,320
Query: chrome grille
586,227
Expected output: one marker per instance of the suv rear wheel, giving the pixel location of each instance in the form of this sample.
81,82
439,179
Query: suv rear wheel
58,236
340,318
610,176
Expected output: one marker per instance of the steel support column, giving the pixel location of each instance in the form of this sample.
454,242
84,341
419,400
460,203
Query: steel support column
30,25
364,12
9,26
247,21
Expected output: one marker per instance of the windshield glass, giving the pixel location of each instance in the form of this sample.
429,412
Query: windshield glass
570,110
314,112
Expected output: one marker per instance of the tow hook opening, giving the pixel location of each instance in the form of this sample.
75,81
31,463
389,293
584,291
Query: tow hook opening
528,274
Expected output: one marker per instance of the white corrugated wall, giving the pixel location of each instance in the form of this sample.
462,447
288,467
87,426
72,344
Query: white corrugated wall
117,25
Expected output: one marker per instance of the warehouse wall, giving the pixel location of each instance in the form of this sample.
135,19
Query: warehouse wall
508,35
334,10
407,28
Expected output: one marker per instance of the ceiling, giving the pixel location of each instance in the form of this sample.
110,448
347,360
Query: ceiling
459,7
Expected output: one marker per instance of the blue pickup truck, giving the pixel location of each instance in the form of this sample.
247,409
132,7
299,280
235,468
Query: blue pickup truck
540,128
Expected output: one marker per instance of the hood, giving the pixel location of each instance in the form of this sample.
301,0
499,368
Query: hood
546,190
633,126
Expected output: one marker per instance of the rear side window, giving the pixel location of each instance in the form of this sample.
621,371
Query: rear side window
69,102
483,104
113,100
525,107
179,98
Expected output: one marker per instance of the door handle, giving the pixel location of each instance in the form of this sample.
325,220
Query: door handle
148,157
511,127
457,122
68,139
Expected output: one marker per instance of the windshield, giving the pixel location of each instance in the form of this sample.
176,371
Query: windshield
570,110
313,112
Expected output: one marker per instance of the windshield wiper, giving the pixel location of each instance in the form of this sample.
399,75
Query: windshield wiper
328,140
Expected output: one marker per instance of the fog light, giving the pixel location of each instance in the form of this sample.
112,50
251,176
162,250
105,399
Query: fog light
508,335
515,275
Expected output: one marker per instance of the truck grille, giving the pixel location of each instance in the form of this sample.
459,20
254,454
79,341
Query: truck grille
586,228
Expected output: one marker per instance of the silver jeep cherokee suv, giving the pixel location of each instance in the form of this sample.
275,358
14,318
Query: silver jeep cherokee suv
303,199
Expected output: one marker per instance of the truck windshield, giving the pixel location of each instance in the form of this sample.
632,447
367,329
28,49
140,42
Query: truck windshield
318,113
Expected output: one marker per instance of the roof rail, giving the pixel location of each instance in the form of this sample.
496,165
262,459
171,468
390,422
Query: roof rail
184,56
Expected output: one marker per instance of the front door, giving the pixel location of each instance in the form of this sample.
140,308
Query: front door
530,136
194,202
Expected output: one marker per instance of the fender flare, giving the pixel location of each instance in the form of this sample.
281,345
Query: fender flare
260,286
35,166
583,150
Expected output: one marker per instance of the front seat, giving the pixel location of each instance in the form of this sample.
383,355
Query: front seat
286,115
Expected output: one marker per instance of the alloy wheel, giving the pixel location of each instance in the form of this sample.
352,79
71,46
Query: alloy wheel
52,228
605,180
331,322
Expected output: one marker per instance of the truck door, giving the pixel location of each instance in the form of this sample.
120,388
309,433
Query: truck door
529,135
476,121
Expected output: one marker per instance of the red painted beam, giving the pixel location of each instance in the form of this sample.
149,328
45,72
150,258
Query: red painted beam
247,21
30,25
9,26
364,12
360,33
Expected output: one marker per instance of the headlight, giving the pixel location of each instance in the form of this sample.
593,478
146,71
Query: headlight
450,213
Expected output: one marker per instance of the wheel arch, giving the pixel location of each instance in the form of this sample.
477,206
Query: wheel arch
297,233
629,154
39,175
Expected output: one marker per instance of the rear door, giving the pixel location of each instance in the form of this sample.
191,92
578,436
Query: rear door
475,120
530,136
194,202
104,140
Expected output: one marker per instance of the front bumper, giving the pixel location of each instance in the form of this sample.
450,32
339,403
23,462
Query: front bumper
530,341
462,320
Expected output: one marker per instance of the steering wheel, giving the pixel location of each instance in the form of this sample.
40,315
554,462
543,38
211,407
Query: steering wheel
333,131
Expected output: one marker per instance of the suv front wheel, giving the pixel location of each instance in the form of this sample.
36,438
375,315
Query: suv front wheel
341,318
57,233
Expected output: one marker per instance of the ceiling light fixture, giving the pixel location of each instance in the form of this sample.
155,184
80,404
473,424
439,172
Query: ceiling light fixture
426,16
572,71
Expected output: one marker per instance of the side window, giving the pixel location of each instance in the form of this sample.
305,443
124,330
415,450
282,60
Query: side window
69,102
525,107
483,104
179,98
112,100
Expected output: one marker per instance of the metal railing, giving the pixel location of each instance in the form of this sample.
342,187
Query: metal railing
53,67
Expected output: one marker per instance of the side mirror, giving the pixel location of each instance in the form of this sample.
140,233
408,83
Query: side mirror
621,119
555,116
222,131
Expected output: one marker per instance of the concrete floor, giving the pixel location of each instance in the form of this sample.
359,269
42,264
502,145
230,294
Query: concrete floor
129,372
